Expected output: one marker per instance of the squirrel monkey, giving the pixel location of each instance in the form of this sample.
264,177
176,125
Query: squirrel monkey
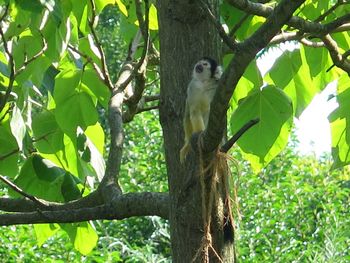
200,92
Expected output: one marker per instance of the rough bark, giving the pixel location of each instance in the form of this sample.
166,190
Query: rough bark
186,35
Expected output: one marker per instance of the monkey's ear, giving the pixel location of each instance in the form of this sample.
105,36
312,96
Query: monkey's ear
218,72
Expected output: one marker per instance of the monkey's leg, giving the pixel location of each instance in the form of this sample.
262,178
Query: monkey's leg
197,121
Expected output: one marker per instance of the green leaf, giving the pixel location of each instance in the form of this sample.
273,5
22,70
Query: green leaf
69,188
233,16
153,19
8,150
52,143
343,40
74,107
82,235
48,81
57,35
44,231
96,87
40,178
20,20
18,126
95,143
128,27
80,11
318,59
32,6
78,110
96,135
250,80
313,9
292,73
340,128
48,135
122,7
43,179
100,4
261,143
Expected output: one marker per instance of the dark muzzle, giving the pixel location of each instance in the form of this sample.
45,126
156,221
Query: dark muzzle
199,68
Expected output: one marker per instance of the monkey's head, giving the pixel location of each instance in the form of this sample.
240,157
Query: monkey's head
206,69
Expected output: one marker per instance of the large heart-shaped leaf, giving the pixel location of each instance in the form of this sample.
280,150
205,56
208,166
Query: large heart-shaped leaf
264,141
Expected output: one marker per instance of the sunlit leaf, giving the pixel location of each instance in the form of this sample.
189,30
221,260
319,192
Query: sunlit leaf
44,231
41,178
82,235
96,86
340,125
100,4
312,9
300,80
153,19
95,143
8,150
261,143
18,126
233,16
20,20
122,7
52,143
74,107
250,80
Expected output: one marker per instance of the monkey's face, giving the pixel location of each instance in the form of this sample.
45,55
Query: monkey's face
202,70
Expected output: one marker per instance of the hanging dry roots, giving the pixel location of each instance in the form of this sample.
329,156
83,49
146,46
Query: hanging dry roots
218,172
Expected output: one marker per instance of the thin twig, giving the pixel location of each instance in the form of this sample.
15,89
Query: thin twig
107,79
147,109
238,25
227,146
21,192
3,101
5,13
144,26
339,60
151,98
310,43
227,40
330,10
33,58
89,60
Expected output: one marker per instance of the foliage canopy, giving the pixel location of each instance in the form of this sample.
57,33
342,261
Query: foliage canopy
58,88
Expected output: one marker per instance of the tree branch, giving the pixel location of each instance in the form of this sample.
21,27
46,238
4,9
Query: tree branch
227,40
27,205
296,22
109,185
339,60
89,60
124,206
143,24
245,53
106,78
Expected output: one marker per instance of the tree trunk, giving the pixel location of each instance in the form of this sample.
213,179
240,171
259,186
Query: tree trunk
186,35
